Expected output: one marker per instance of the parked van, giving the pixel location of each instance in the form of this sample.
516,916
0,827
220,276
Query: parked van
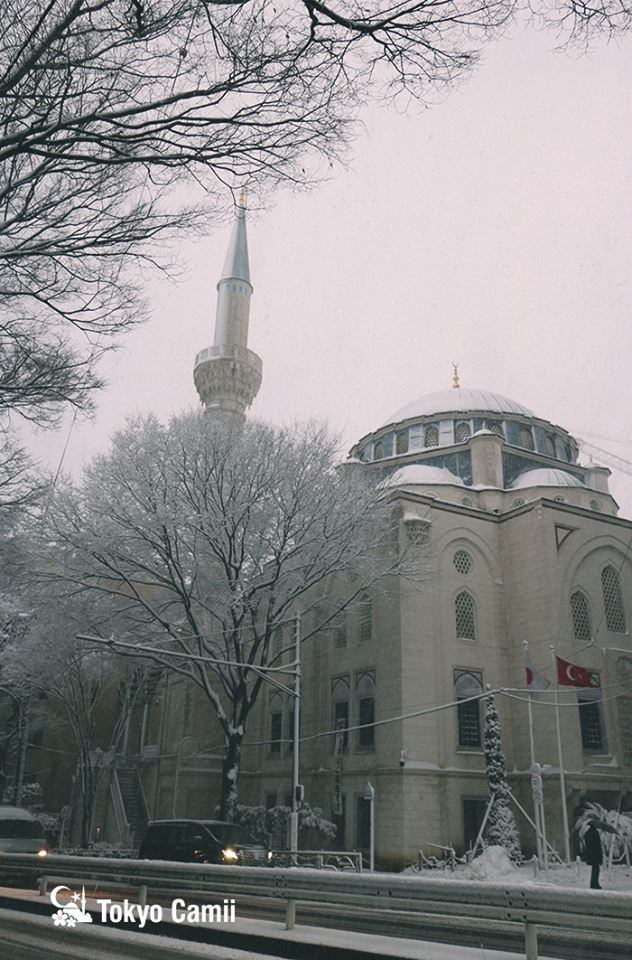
202,841
21,832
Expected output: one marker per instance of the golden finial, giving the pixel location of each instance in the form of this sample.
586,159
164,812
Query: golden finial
242,198
455,376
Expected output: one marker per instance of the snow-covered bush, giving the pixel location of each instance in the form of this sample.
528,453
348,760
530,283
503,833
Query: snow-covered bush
493,863
264,824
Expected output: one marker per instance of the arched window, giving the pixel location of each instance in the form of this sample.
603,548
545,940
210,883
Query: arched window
462,432
468,683
496,427
466,501
340,629
612,600
340,701
594,505
431,436
378,450
526,438
365,698
462,561
276,723
581,617
366,618
465,615
401,442
550,445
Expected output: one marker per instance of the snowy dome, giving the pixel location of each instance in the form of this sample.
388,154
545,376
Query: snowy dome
545,477
459,400
416,473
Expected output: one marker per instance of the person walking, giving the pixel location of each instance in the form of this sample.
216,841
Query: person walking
593,854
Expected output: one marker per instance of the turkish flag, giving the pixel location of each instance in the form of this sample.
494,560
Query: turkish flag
569,675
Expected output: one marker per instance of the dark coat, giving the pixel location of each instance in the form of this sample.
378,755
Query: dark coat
593,854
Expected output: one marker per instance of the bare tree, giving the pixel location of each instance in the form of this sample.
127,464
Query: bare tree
204,541
106,106
86,690
579,23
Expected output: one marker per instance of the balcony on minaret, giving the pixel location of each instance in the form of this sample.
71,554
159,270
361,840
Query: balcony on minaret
227,375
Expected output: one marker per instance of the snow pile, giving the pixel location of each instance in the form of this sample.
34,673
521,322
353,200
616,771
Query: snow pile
493,864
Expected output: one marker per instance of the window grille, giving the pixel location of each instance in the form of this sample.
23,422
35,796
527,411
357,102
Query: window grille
431,436
496,427
518,502
591,721
581,617
468,684
462,561
276,723
594,505
526,439
467,501
465,614
366,619
462,432
365,694
378,450
612,600
340,630
401,442
550,446
340,700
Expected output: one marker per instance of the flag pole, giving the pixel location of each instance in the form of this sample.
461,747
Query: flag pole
567,848
536,805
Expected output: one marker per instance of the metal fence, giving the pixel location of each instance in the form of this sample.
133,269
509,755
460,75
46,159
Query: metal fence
555,909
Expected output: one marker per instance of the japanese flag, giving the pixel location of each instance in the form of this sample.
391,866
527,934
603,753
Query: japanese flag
535,680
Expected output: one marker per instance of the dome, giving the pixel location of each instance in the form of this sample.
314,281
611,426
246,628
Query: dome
415,473
459,400
545,477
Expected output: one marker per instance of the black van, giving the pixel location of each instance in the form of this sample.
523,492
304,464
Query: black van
202,841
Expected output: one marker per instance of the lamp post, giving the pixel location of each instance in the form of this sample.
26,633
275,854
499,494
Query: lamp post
369,794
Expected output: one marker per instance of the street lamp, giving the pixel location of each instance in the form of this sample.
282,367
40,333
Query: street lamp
369,794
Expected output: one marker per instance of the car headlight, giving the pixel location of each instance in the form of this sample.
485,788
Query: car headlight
230,855
42,853
270,855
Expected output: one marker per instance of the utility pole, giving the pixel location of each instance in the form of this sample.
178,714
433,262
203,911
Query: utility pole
297,790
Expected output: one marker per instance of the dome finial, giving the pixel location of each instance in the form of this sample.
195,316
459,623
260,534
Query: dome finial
455,376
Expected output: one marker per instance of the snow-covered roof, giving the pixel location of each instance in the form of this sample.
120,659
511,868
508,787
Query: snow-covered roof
421,473
545,477
459,400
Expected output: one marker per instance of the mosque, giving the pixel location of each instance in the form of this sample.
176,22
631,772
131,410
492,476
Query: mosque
523,545
519,543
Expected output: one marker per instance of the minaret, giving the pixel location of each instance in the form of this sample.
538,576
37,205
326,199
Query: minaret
227,375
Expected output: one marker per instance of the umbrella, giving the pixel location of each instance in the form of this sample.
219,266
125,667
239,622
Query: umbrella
603,825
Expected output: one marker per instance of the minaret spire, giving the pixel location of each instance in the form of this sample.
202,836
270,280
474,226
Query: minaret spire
228,375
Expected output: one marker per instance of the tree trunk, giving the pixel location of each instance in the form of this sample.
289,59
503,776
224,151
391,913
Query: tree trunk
230,773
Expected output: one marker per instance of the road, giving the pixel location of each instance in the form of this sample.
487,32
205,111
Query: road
408,928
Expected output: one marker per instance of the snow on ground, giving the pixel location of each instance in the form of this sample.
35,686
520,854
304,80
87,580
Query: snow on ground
494,866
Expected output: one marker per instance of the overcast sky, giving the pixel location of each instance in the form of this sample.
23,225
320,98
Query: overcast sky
492,229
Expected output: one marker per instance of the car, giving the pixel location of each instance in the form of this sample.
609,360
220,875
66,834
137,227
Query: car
21,832
202,841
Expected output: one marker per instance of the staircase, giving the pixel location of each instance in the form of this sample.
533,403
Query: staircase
134,806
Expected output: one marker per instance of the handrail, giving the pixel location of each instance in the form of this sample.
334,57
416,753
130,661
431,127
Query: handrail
120,814
531,906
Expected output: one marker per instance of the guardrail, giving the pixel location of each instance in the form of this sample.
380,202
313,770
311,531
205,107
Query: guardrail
577,910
